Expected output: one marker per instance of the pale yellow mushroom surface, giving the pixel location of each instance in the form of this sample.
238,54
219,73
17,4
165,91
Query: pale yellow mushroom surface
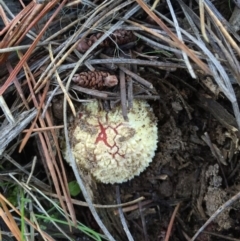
111,149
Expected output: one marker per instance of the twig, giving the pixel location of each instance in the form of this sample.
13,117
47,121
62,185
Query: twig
136,77
159,47
218,211
9,132
90,91
133,207
123,220
143,222
123,95
84,204
224,237
129,92
108,60
170,226
47,128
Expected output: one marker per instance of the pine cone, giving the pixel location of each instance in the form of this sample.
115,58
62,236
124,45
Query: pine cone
119,37
95,79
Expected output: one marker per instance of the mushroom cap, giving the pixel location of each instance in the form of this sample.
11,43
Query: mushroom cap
111,149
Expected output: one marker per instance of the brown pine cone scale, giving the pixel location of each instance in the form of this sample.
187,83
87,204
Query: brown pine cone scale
119,37
95,79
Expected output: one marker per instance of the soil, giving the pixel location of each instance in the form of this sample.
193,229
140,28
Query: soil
195,165
184,171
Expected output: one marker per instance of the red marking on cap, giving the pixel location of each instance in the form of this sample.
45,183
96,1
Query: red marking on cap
102,136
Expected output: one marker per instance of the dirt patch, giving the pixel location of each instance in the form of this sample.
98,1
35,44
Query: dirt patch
184,171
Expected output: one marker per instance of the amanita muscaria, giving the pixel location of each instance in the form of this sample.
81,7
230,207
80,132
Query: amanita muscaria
111,149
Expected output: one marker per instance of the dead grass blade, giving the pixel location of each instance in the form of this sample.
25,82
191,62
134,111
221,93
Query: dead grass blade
202,20
5,201
6,111
18,86
9,220
223,29
8,39
179,34
178,43
90,22
61,85
29,51
47,149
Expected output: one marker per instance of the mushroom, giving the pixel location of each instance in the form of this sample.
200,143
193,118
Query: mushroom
111,149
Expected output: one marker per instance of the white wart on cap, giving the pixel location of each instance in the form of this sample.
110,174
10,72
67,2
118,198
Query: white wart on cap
111,149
